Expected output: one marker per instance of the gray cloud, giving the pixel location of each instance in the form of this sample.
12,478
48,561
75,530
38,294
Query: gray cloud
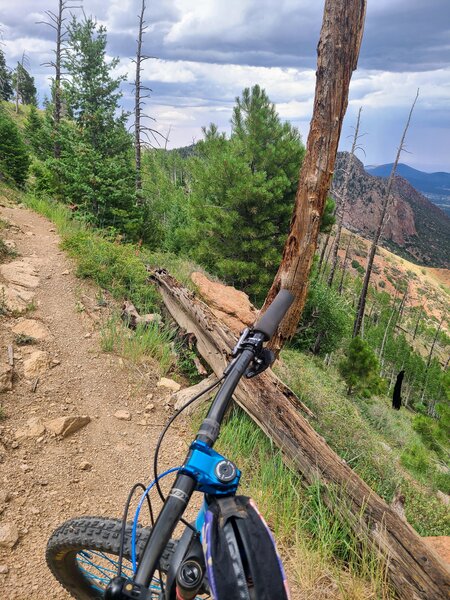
271,42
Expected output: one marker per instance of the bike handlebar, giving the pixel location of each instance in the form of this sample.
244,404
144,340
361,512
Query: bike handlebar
269,321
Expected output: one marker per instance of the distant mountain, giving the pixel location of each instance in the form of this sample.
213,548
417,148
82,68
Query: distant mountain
435,186
415,228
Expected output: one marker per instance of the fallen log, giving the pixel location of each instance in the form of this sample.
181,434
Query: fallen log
181,398
415,571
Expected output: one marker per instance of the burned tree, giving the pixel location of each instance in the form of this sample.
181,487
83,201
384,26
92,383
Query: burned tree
379,230
343,203
56,22
141,92
338,52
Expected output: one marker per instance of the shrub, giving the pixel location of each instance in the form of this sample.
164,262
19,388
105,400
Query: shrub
360,369
14,159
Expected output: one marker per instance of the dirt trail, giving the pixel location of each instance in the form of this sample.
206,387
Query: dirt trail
41,479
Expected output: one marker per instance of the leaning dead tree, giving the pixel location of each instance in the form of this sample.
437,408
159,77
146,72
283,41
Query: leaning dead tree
337,58
56,22
413,568
379,230
343,203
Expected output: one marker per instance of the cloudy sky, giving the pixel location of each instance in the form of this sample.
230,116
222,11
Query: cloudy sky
209,50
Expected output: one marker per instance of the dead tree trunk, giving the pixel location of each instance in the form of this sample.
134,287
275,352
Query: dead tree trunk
414,570
344,266
56,22
137,100
344,197
376,239
338,51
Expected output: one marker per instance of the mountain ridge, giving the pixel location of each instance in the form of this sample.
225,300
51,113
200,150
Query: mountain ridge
415,227
435,186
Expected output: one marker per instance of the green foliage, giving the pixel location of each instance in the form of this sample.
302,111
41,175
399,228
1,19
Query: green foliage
325,320
94,173
358,267
6,90
303,524
23,82
360,369
329,216
14,159
243,192
165,204
416,458
149,341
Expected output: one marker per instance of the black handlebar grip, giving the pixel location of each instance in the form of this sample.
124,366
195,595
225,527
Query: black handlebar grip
273,316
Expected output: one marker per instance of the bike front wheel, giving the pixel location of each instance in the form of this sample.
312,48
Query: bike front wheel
83,555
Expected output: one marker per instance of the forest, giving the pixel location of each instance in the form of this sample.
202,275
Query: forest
122,201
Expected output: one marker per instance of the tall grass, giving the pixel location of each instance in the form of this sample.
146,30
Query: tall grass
137,346
325,557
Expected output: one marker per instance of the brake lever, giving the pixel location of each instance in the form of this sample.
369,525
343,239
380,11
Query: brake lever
262,362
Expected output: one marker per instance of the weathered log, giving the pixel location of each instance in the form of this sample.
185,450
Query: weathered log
132,318
415,571
181,398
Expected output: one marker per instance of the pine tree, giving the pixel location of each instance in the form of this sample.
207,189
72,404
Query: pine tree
95,167
14,159
360,369
6,89
243,193
24,83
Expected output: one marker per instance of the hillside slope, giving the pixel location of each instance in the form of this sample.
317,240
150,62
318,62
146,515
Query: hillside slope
415,228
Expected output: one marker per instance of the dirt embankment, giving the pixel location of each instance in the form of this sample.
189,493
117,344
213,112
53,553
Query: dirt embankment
47,473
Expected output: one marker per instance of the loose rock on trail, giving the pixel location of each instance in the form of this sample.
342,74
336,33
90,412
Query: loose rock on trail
63,450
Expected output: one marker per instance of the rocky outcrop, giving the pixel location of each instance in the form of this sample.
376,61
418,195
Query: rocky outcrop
229,305
36,364
441,545
65,426
31,328
414,226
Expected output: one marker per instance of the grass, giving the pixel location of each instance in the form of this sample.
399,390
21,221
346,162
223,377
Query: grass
324,556
138,346
349,427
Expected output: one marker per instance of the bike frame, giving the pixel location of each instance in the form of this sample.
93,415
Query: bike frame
190,477
204,470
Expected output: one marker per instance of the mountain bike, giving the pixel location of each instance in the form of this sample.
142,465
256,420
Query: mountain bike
228,553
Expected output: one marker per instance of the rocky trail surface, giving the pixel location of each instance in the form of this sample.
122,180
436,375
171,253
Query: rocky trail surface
79,425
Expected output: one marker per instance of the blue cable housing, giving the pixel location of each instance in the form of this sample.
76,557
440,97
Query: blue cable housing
138,510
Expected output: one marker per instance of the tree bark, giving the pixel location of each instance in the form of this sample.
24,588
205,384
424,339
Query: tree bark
338,51
344,198
415,571
376,239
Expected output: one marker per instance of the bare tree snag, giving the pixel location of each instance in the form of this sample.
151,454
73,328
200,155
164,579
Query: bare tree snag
415,571
137,99
337,57
141,92
379,231
342,207
344,266
56,22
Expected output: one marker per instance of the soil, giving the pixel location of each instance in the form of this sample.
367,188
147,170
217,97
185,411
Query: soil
44,480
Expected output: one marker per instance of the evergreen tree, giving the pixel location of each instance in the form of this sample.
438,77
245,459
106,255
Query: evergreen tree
14,159
360,369
95,168
243,192
6,90
24,83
